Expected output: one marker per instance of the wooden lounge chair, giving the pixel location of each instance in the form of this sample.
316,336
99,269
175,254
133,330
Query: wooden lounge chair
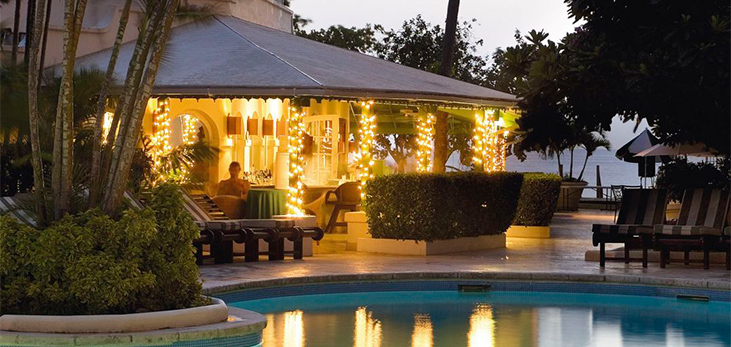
16,207
640,210
221,233
347,198
699,227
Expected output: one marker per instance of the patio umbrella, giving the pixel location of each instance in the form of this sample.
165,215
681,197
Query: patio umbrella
643,141
693,150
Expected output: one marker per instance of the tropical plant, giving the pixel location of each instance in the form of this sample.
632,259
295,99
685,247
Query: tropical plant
678,175
399,146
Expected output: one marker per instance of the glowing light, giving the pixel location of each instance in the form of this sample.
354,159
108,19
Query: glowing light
296,136
425,130
364,157
107,125
294,330
488,142
161,136
367,331
423,335
482,327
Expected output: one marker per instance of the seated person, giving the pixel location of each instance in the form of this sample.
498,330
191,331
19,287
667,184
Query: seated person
234,186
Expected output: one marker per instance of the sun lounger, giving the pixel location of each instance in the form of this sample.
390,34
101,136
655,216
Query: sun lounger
221,234
18,208
700,226
640,210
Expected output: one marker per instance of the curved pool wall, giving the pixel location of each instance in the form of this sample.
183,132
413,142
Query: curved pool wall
454,285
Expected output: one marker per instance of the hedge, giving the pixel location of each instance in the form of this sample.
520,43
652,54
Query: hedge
92,264
428,207
538,199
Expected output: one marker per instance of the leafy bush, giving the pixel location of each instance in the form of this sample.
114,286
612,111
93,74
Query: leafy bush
679,175
91,264
538,199
441,206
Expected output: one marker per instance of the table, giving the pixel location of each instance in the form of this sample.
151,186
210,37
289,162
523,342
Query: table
264,203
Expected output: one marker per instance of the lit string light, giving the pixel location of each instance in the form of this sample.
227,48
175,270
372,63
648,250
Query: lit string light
425,130
296,136
488,142
107,125
364,157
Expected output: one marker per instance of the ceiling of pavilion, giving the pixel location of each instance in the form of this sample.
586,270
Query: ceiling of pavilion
230,57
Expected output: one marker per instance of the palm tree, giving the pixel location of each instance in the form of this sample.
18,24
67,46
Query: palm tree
63,153
441,126
95,188
33,116
16,37
591,142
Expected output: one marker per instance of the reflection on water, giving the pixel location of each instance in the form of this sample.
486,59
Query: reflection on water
367,331
482,327
294,329
512,319
423,331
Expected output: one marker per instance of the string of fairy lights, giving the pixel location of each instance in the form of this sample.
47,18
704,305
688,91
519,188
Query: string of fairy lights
425,131
488,142
161,141
295,191
364,155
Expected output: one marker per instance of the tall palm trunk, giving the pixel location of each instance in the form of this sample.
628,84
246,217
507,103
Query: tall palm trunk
441,126
571,164
16,34
35,141
29,21
131,137
137,63
63,149
95,187
45,39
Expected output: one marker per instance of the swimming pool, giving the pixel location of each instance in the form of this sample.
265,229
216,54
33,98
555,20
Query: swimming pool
552,314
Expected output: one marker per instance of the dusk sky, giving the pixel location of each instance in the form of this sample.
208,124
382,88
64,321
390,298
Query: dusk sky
496,23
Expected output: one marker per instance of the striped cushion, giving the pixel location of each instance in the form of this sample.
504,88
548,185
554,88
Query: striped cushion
239,224
642,207
623,229
12,206
687,230
195,210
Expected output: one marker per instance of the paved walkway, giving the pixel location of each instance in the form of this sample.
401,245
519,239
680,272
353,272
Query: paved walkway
562,254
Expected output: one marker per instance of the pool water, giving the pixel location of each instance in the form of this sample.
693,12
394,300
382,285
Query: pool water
451,318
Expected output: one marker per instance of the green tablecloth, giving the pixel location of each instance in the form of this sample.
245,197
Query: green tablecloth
264,203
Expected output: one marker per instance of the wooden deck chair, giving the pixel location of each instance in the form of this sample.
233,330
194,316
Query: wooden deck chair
640,210
347,198
221,233
700,225
17,208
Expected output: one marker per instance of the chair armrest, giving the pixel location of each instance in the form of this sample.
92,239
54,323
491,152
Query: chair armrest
327,197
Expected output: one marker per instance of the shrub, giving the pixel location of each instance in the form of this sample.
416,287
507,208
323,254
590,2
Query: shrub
538,199
91,264
441,206
679,175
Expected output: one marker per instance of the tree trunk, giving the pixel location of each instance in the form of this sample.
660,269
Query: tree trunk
121,176
441,126
16,34
571,164
583,167
560,167
441,141
96,184
45,40
115,139
63,150
35,140
29,21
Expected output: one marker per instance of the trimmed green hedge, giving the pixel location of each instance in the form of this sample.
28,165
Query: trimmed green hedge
538,199
428,207
92,264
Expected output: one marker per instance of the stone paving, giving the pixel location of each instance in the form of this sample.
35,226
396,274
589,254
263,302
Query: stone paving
561,255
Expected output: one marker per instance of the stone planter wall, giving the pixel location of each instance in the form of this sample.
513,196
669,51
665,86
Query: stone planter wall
531,232
570,195
411,247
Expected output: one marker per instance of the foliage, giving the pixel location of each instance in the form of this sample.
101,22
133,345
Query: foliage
658,60
92,264
679,175
428,207
399,146
356,39
538,199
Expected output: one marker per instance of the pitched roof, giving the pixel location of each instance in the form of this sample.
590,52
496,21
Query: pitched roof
227,56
